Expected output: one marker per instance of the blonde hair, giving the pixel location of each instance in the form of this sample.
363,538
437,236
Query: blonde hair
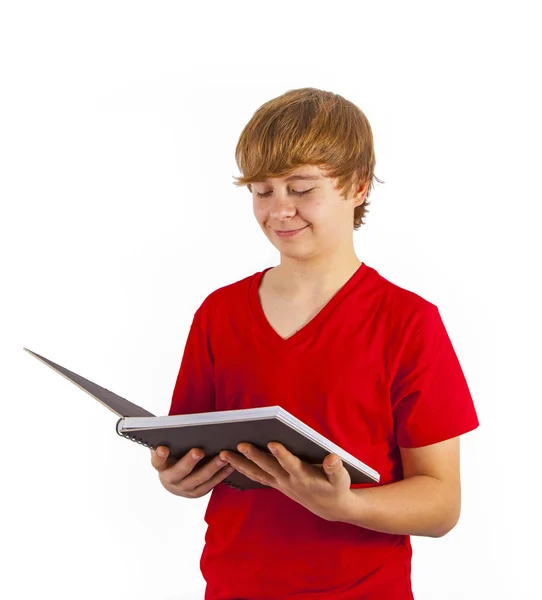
308,126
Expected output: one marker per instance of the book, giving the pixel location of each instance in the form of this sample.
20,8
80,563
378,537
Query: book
216,431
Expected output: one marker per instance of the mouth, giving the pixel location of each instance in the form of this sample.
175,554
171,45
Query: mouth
289,232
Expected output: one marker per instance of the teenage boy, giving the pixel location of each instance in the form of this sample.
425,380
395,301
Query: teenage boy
366,363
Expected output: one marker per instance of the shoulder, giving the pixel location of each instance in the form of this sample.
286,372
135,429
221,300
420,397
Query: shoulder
401,307
226,296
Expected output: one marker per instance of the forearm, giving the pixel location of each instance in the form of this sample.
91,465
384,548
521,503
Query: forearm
419,505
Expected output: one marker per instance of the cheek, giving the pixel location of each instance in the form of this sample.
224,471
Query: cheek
261,215
257,212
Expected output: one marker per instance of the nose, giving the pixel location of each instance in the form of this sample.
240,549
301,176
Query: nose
282,207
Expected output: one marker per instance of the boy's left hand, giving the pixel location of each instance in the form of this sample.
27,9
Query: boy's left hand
324,491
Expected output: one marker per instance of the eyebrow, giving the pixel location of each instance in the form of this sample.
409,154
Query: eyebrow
294,178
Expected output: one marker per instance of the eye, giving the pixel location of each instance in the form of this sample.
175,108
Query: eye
297,193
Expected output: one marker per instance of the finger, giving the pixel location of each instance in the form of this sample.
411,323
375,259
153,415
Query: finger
288,462
194,482
246,466
185,466
254,473
260,466
159,458
209,484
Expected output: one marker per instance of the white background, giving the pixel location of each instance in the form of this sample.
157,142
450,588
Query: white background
118,124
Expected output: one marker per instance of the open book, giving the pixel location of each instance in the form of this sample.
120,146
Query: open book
216,431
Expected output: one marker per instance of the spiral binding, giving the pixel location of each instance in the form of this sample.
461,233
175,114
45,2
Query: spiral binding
231,484
138,440
133,438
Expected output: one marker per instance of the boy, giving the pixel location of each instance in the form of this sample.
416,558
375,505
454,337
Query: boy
366,363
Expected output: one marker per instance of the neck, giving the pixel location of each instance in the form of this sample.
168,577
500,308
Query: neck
297,279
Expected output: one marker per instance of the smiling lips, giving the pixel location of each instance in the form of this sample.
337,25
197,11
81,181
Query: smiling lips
290,232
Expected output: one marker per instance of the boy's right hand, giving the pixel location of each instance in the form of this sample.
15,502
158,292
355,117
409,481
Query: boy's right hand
177,476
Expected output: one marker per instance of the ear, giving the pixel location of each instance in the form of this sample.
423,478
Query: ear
361,194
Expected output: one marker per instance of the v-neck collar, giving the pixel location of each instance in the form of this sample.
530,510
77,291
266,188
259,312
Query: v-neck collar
309,328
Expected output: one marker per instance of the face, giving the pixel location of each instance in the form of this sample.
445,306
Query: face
306,199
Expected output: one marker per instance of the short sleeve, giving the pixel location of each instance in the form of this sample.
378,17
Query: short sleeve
431,400
194,389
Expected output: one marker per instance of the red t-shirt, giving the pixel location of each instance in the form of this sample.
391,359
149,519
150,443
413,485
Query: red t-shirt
372,371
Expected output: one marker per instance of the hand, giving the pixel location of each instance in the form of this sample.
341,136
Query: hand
324,491
178,477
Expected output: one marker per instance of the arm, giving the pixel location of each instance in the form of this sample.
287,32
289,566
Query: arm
427,502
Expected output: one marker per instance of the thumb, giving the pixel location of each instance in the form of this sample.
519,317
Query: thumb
332,464
336,472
